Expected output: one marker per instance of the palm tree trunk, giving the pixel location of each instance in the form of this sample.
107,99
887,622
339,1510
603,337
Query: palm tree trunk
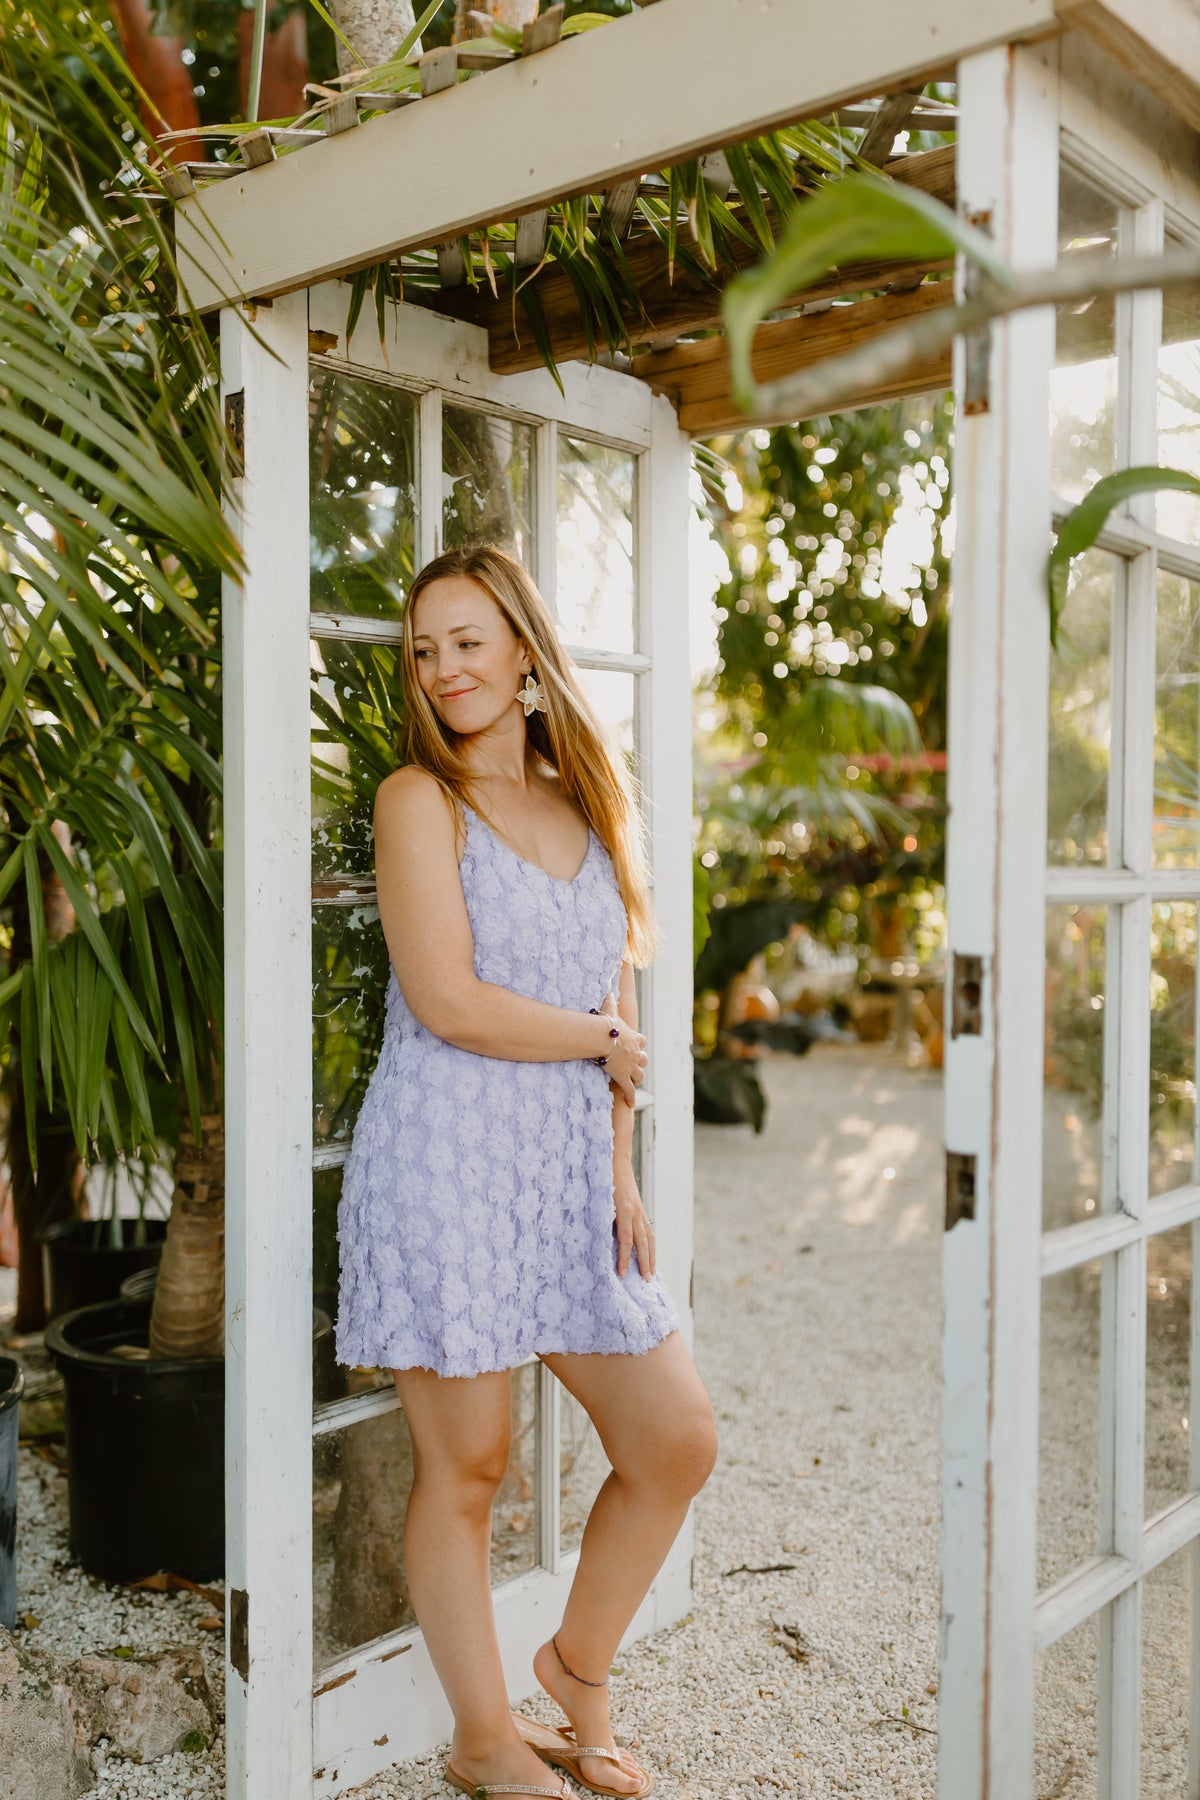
376,29
188,1316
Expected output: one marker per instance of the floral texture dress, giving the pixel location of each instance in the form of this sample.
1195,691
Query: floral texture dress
476,1219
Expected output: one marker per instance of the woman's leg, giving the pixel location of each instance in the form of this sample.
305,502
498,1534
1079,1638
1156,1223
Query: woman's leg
656,1425
460,1434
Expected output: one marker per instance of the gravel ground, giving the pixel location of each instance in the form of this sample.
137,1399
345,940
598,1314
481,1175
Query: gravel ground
817,1301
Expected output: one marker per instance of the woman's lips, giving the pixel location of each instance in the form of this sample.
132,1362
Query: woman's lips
458,693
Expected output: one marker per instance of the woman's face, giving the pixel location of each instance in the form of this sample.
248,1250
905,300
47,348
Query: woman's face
470,662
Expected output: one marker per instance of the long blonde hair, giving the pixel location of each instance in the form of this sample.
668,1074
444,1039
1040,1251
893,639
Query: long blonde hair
567,735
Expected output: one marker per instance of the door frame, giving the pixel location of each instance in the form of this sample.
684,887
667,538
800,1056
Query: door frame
1024,112
291,1727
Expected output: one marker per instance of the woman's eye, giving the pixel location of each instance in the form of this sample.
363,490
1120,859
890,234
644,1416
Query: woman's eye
469,644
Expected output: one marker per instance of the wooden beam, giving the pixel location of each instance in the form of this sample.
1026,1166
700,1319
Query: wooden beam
1156,41
695,377
893,115
576,119
667,308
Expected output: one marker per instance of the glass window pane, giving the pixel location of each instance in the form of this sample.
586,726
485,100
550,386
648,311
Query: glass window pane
1166,1661
1168,1367
355,701
595,544
332,1381
515,1512
1065,1689
1083,385
1081,716
1069,1423
1176,722
1172,1046
611,693
583,1468
1073,1141
1179,405
350,979
362,1476
487,481
362,490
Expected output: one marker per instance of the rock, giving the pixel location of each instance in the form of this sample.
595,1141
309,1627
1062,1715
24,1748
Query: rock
145,1705
41,1756
53,1710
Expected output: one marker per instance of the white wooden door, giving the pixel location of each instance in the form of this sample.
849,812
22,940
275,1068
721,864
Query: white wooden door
1071,1491
363,460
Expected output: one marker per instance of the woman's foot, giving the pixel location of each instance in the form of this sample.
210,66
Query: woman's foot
509,1760
587,1709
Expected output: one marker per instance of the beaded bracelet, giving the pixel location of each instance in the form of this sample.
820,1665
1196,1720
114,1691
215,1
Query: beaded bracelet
614,1033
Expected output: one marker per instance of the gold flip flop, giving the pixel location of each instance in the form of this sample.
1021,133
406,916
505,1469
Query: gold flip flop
481,1789
562,1748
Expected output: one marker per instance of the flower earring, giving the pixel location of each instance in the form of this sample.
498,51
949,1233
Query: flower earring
531,696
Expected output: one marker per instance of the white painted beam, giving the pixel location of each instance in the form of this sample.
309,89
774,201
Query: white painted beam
999,675
679,78
1155,41
268,1083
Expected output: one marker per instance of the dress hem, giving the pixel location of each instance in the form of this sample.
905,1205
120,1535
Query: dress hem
453,1373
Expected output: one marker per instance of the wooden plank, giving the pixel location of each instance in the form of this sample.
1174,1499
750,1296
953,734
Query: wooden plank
711,418
256,149
1155,41
268,1268
414,177
893,115
667,306
696,376
620,204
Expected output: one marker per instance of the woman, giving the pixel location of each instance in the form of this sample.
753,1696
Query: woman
489,1207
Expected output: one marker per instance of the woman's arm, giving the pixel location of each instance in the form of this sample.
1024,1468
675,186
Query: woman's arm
428,933
634,1231
627,1012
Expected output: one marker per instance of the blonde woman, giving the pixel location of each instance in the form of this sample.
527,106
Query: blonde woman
489,1208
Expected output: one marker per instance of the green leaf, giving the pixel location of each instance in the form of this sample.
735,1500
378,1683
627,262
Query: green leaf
701,922
1084,523
585,21
861,218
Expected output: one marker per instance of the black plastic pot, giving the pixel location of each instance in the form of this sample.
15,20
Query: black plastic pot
12,1383
145,1449
145,1445
81,1267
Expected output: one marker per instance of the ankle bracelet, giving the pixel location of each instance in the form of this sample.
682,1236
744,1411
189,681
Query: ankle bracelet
582,1679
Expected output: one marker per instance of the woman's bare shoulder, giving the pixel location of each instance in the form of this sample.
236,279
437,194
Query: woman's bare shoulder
411,799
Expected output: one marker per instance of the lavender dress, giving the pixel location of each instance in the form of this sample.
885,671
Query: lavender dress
476,1219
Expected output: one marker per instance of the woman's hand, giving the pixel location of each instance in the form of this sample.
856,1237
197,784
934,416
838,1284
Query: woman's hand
633,1227
626,1064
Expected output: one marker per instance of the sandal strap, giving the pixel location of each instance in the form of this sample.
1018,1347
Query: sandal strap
594,1750
513,1787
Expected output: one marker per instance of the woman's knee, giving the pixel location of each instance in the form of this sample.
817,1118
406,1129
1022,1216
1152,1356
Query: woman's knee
680,1453
467,1476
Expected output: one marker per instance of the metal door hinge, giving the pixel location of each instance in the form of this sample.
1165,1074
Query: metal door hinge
966,996
239,1631
960,1187
235,426
977,344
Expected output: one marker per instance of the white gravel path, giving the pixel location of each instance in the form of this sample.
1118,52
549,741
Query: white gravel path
818,1318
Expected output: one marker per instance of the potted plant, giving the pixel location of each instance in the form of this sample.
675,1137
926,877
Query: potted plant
86,1260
